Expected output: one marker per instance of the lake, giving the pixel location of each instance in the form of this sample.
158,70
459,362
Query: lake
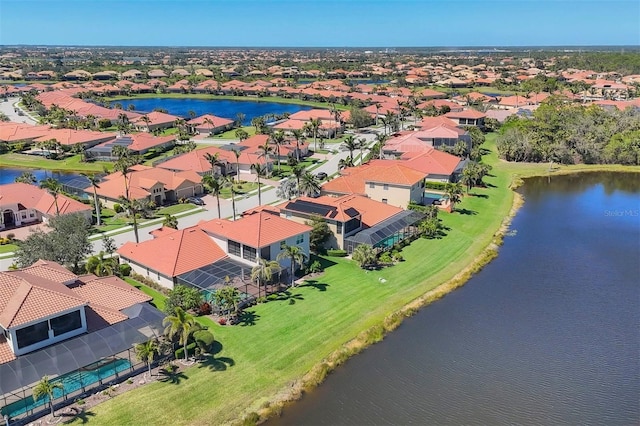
218,107
545,334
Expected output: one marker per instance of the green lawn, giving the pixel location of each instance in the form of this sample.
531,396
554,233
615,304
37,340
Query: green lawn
240,189
159,299
70,164
231,134
8,248
177,208
278,342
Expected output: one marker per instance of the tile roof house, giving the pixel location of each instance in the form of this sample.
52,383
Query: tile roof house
155,120
138,143
70,137
22,204
387,182
151,184
260,235
209,124
45,303
467,117
170,254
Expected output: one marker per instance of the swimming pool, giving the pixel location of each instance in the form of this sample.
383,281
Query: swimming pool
435,195
72,382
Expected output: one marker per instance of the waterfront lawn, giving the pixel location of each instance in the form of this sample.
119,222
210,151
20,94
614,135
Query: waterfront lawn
231,134
279,341
70,164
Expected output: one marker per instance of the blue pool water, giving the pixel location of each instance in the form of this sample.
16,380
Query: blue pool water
71,382
221,108
434,195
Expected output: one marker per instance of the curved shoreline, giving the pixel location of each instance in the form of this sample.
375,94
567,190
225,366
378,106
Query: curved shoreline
318,373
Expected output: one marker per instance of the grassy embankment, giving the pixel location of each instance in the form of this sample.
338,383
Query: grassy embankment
69,164
288,345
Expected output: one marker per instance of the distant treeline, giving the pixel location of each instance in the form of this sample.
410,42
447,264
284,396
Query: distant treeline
623,63
567,133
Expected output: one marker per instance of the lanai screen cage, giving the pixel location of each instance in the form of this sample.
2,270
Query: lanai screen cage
388,232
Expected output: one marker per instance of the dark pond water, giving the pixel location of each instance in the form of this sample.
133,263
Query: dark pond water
10,175
546,334
220,108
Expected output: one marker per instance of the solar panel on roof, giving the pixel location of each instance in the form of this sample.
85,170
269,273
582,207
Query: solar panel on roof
311,208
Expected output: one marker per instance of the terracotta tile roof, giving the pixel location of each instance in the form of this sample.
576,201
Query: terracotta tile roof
108,292
71,137
5,351
32,197
217,121
11,132
175,253
256,230
353,179
155,118
196,162
430,161
429,122
51,271
25,298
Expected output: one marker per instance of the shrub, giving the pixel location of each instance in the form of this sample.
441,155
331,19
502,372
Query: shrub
336,253
204,339
11,236
104,123
204,308
222,321
385,257
315,266
252,419
436,185
117,208
125,270
150,283
180,352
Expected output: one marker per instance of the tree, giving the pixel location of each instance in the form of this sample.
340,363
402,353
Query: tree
237,153
278,140
108,244
345,162
297,134
468,177
265,150
146,351
170,221
101,266
94,180
295,255
260,171
27,177
229,183
54,188
309,184
180,324
378,148
351,144
186,298
298,171
365,256
429,227
146,120
360,118
319,233
213,160
67,243
454,192
45,388
242,134
227,299
314,126
263,271
287,189
215,185
133,207
240,119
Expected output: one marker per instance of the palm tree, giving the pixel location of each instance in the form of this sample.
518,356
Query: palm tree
263,271
378,106
309,184
242,134
345,162
229,182
295,255
260,171
227,298
101,266
120,152
146,120
240,119
215,184
278,140
454,192
380,140
298,171
133,206
468,177
170,221
45,388
209,121
265,151
364,255
146,352
212,159
180,324
237,153
297,134
362,144
351,144
54,188
27,177
94,180
314,126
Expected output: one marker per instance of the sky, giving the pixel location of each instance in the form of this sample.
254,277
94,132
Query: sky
320,23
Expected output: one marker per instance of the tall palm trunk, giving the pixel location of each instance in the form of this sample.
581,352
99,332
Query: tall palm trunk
97,205
259,192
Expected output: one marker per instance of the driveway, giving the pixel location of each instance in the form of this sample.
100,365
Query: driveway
10,107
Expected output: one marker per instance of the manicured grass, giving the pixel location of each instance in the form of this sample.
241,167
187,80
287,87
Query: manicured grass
241,189
176,208
69,164
8,248
280,341
159,299
231,134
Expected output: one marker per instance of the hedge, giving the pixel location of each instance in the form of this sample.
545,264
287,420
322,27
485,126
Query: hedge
180,352
204,339
337,253
442,186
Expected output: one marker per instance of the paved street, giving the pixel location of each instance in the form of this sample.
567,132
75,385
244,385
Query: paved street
211,212
9,109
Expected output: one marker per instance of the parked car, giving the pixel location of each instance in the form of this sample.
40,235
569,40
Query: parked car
321,175
195,200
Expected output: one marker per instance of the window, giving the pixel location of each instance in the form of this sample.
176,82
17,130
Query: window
249,253
32,214
234,248
384,200
66,323
287,214
300,239
339,226
24,215
32,334
385,187
372,185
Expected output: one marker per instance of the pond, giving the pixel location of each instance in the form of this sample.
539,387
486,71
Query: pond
545,334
